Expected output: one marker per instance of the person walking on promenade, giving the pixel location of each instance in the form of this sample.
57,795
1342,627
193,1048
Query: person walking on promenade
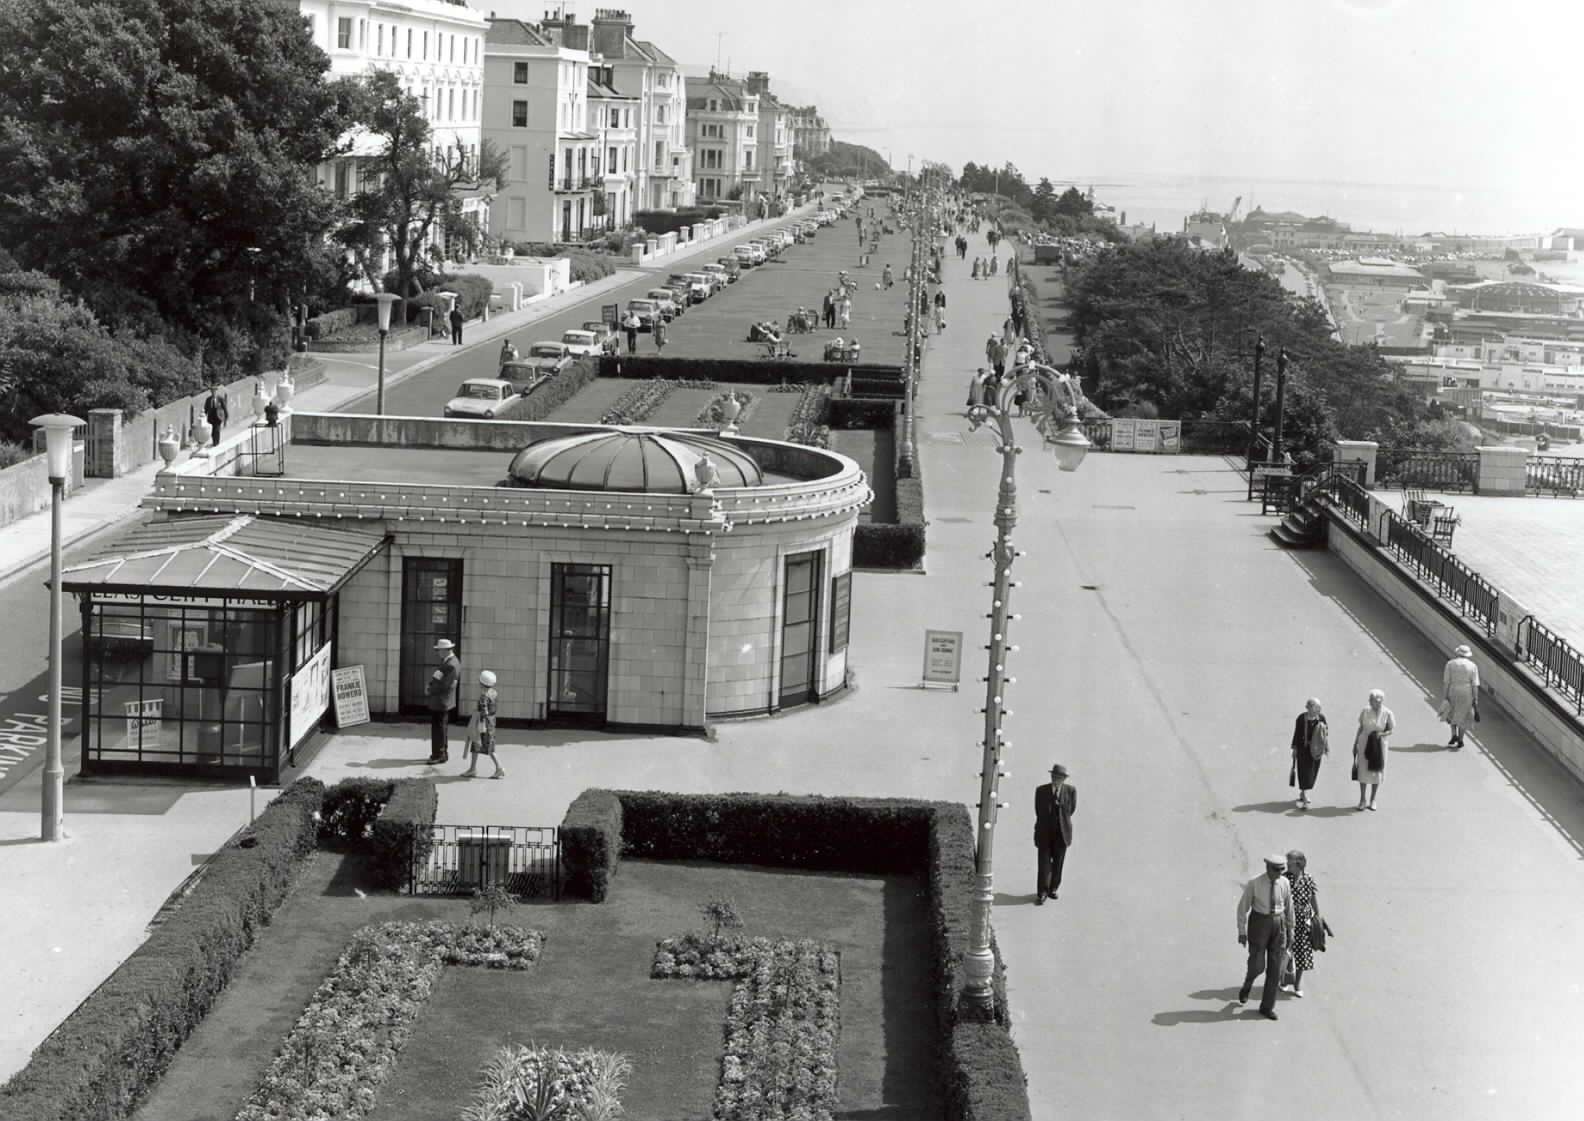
1306,920
940,309
481,729
828,310
455,319
843,310
1055,803
1460,694
995,264
886,277
216,413
992,344
1264,923
978,268
442,692
631,325
1311,743
1375,725
659,330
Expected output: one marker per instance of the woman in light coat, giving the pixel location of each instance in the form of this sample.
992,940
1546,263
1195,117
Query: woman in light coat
1369,768
1460,694
1311,743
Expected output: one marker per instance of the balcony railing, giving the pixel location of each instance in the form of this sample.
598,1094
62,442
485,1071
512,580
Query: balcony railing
1556,475
1434,470
1554,658
1438,567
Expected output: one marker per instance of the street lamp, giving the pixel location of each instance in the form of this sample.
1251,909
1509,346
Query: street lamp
1253,440
1051,399
1278,453
58,429
385,300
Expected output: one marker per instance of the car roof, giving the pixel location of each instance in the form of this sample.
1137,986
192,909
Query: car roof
486,381
576,331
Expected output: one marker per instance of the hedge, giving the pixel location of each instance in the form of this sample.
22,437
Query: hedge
861,412
401,834
743,371
902,545
665,221
981,1074
103,1059
551,394
350,809
331,322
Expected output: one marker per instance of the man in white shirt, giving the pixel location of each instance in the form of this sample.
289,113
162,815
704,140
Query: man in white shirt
1265,923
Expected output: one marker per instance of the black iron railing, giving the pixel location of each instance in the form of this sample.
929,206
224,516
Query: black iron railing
1552,655
525,859
1344,484
1195,437
1433,470
1553,474
1450,578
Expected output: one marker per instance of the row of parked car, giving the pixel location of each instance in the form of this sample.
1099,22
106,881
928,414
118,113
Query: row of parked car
499,397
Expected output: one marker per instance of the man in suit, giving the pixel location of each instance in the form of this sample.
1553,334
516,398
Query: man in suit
444,685
1055,803
1265,923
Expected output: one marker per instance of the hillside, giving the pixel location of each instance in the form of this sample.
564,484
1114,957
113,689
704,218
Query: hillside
850,159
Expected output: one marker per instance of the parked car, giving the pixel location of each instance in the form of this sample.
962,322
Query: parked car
489,398
698,290
748,256
681,293
582,342
666,298
722,277
548,359
645,310
609,340
704,278
732,266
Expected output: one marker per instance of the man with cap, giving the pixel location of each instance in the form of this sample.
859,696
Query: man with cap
443,687
1055,802
1265,923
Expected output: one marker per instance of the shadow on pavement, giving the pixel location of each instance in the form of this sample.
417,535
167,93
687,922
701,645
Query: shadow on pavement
1287,807
1419,748
1228,1012
1006,899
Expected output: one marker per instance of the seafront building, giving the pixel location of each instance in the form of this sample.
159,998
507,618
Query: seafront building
810,134
775,133
722,131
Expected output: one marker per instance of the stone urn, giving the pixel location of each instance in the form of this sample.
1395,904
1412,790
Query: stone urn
169,445
284,390
260,398
730,411
200,434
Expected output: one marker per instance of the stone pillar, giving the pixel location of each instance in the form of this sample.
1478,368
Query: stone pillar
695,675
105,437
1358,451
638,253
1501,470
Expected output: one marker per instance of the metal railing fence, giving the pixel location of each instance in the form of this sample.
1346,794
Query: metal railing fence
1554,657
460,859
1554,474
1434,470
1439,568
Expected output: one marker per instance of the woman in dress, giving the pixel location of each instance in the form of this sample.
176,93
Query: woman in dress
1310,744
1306,912
481,729
1369,763
1460,694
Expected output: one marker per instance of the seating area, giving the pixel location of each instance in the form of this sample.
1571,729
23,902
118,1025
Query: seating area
1436,518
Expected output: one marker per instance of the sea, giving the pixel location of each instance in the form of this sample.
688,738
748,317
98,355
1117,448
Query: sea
1396,208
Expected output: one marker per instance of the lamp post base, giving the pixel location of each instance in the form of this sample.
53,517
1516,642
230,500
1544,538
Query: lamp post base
978,995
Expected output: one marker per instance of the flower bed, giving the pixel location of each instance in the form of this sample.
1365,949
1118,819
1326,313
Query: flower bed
807,425
583,1084
639,401
343,1047
781,1026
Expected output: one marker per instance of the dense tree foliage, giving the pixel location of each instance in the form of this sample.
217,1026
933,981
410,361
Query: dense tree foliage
844,159
1167,330
157,156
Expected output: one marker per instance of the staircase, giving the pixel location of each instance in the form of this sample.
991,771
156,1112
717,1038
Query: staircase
1304,527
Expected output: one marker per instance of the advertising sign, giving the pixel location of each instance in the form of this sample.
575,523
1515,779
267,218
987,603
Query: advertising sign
144,722
841,611
611,313
942,657
1123,432
351,696
1509,613
1171,436
310,694
1145,433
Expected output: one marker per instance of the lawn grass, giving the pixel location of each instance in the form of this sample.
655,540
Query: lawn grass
874,450
591,987
588,404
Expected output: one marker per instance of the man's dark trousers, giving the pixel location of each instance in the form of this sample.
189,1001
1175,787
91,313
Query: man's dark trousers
1267,948
1052,855
439,751
215,429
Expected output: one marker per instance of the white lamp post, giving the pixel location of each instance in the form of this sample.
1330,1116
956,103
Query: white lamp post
385,300
1050,399
58,429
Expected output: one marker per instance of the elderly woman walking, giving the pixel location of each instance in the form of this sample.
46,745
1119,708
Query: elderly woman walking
1375,726
1306,919
1460,694
1310,743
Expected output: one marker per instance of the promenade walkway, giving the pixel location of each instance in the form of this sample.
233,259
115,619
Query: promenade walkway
1166,647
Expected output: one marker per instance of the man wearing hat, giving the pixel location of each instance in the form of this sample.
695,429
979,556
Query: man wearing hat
443,686
1055,802
1265,923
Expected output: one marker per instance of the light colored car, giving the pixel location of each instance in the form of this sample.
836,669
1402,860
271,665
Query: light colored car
607,337
487,399
722,277
645,310
666,298
547,358
704,278
581,342
748,255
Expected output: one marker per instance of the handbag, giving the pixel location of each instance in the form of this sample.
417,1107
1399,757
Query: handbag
1318,930
1373,755
1292,772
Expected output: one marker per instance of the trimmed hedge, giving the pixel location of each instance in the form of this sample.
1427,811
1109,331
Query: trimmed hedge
665,221
102,1060
902,545
981,1074
350,809
742,371
861,412
551,394
401,833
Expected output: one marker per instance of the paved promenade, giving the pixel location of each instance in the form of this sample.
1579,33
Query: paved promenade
1166,646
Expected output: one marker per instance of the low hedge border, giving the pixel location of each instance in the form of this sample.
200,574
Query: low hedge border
401,834
102,1060
551,394
982,1075
739,371
901,545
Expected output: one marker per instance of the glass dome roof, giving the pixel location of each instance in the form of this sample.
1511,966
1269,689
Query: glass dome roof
621,459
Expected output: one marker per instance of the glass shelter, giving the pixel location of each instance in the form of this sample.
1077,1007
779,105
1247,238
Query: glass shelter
208,642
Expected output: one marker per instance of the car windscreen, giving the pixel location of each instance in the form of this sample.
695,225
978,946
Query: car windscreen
544,350
479,391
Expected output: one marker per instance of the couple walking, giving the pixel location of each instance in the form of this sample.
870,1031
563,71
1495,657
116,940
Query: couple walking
1279,921
444,692
1311,743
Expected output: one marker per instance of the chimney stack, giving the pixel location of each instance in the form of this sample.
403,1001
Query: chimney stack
758,81
612,26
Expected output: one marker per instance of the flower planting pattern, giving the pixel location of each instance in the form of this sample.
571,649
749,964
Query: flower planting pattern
713,415
782,1025
807,425
343,1047
534,1083
646,396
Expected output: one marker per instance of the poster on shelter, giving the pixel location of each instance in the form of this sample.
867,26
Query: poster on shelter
1122,434
351,696
1171,436
310,694
145,720
1145,435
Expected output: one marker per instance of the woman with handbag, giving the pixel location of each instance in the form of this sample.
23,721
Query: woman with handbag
1369,748
481,729
1309,928
1460,694
1311,742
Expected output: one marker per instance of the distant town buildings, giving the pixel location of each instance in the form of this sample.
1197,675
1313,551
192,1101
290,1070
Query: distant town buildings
810,135
1375,272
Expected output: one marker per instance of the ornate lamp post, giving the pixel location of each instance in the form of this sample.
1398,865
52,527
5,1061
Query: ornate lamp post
1278,452
1253,441
1051,399
58,429
385,299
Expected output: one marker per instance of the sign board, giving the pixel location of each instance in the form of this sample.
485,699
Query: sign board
1171,436
351,696
942,657
1123,431
841,611
611,313
1509,613
310,694
1266,471
144,722
1145,435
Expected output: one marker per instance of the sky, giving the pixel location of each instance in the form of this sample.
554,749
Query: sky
1467,97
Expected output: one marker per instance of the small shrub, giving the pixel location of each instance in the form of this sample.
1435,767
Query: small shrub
350,807
473,292
722,913
591,843
533,1083
12,454
489,900
401,836
587,267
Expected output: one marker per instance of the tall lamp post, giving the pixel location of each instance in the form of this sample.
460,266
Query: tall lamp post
1051,399
58,429
1278,452
385,299
1254,422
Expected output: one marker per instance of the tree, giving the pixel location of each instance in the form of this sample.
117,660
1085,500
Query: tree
721,912
158,157
409,187
1044,205
488,900
1074,204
